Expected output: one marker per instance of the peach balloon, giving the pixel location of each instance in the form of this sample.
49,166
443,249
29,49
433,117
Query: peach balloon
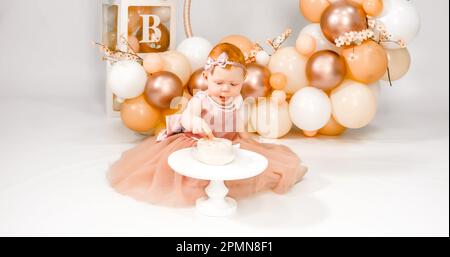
178,64
153,62
278,81
313,9
373,7
366,63
292,64
359,2
138,115
306,44
241,42
399,62
310,133
160,127
169,112
354,104
333,128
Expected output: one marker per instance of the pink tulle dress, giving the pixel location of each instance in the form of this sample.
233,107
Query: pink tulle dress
144,174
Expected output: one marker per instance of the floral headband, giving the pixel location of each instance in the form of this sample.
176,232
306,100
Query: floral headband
222,61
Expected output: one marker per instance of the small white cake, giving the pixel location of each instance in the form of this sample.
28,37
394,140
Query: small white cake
218,151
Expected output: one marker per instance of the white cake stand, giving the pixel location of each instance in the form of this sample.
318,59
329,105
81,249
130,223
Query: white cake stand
246,165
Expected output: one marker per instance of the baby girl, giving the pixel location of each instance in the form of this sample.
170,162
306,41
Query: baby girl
143,172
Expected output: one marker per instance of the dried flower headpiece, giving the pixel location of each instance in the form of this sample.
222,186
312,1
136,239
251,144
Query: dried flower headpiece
117,55
222,61
375,31
276,42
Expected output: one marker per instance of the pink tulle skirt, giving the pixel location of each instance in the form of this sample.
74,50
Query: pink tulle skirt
144,174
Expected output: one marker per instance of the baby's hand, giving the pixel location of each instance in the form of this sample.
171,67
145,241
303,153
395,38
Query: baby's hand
199,126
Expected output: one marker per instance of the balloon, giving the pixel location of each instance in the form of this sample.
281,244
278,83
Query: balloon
177,109
358,2
159,128
271,120
278,97
341,17
310,133
133,43
135,19
109,39
196,50
262,58
305,44
313,9
333,128
354,104
292,64
326,69
161,46
402,21
373,7
256,83
197,82
162,87
367,62
127,79
178,64
241,42
310,109
138,115
163,12
116,103
322,43
153,62
399,62
278,81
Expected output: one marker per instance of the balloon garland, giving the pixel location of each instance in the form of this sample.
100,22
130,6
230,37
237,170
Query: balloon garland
326,84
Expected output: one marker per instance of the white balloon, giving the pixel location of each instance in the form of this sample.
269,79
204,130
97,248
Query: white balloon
293,65
401,19
127,79
376,89
196,50
271,120
310,109
262,58
322,42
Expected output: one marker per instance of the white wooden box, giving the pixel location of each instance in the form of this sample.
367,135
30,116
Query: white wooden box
129,18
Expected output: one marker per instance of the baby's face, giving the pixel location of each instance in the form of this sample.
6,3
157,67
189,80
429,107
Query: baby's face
224,85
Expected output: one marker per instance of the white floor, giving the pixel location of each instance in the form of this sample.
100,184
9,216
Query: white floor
391,178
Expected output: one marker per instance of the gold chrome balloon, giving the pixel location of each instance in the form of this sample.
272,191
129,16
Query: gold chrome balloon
257,83
326,69
163,87
341,17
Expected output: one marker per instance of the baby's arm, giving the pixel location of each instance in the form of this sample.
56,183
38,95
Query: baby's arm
244,135
191,118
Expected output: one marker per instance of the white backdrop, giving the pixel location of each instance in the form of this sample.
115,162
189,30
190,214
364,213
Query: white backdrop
46,45
390,178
